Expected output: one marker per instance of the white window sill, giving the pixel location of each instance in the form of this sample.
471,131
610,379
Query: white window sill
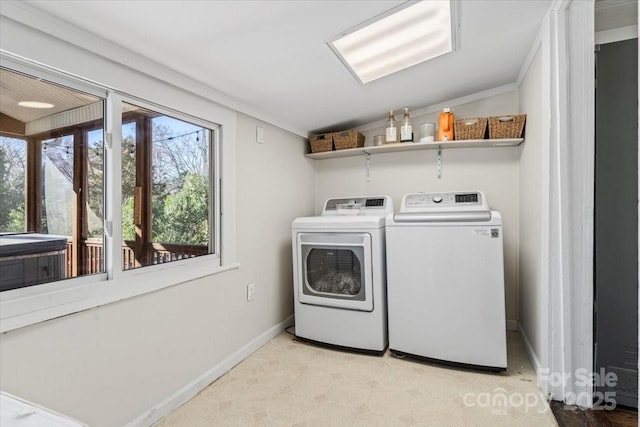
34,304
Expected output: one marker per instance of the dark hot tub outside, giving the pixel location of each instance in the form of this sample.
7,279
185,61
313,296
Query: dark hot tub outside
31,259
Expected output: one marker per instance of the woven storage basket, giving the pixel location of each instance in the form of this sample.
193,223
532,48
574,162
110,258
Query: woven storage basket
506,126
322,142
348,139
470,128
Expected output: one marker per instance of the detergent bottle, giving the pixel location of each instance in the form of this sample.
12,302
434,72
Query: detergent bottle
445,125
391,131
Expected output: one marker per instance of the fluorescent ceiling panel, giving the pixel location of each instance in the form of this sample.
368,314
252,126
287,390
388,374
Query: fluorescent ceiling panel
397,40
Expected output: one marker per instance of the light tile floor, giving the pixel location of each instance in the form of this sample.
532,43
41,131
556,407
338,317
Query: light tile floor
290,383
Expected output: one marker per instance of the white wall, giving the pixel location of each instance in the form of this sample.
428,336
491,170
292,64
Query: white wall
108,365
275,185
530,208
492,170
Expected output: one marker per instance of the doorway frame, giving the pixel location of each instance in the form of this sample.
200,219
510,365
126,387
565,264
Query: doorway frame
568,160
568,41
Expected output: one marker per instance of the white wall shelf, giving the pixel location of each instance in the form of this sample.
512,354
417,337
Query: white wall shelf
412,146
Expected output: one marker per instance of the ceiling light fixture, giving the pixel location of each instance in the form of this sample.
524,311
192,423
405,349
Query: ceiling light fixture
404,36
35,104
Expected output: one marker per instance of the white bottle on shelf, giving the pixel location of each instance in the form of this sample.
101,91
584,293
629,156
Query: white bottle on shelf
391,130
406,129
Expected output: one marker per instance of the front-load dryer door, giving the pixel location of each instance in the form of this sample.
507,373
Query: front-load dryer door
335,270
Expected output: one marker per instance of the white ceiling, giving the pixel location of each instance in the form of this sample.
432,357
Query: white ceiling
272,56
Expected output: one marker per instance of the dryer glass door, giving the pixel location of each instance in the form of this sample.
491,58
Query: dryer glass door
336,270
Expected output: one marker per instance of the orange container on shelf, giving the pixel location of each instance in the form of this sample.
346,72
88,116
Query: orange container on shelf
445,125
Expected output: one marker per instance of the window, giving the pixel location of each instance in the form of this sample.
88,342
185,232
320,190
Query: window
96,124
53,168
166,188
50,151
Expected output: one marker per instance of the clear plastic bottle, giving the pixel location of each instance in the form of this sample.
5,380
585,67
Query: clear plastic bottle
391,130
406,129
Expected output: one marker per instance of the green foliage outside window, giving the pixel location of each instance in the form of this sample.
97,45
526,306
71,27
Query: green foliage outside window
12,159
180,193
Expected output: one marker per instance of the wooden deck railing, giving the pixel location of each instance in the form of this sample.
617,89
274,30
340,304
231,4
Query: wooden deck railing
68,262
160,253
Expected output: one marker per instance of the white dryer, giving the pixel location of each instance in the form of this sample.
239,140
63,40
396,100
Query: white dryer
339,274
445,278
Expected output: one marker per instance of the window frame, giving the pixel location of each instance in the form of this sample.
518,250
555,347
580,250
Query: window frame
214,181
26,306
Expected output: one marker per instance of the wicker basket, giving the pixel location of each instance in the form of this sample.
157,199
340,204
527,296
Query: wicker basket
322,142
506,126
475,128
348,139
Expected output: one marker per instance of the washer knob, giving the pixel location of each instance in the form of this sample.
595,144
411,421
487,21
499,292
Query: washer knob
437,199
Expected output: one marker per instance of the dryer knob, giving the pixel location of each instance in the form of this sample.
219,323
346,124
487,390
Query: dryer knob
437,199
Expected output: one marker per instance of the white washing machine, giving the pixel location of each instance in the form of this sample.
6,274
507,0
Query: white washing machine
339,274
445,278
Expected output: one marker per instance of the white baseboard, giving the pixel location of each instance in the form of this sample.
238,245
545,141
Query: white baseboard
512,325
532,354
176,400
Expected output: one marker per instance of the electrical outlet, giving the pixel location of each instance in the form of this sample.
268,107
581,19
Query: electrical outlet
251,291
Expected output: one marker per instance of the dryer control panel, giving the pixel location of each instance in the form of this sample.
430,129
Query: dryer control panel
465,201
378,205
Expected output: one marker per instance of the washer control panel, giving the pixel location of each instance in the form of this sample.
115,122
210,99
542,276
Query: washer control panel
444,201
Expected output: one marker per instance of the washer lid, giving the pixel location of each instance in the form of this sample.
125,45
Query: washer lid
445,219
